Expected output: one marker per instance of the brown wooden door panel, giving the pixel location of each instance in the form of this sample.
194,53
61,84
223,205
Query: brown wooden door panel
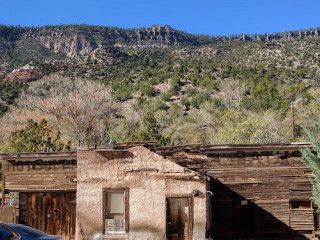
53,213
243,217
178,218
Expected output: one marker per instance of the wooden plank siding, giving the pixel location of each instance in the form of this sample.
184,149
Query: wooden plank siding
252,187
53,213
38,172
44,188
8,214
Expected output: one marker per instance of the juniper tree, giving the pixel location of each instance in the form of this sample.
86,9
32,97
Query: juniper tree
150,130
311,158
36,137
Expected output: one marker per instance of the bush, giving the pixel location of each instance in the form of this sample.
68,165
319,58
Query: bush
147,89
124,92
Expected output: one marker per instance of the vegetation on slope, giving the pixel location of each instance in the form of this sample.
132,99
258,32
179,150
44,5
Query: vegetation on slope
204,92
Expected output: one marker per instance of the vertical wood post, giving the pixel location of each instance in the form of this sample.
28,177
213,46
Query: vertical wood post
2,179
292,116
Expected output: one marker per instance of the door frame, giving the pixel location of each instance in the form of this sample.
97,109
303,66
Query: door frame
190,206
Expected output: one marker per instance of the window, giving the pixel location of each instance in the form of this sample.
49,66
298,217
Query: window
115,212
300,204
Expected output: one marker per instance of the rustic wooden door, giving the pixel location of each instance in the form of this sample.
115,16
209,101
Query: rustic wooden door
53,213
179,219
243,217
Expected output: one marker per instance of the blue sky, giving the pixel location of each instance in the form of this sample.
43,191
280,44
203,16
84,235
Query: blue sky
212,17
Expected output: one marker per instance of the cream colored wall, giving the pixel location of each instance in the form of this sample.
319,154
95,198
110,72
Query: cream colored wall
147,192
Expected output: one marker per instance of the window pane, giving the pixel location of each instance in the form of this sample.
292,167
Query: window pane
115,202
115,215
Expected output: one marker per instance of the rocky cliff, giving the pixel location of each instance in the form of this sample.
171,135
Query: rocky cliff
80,40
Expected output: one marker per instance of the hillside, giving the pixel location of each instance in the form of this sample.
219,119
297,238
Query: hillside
199,88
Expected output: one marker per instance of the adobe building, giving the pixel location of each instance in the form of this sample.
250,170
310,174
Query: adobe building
142,191
137,194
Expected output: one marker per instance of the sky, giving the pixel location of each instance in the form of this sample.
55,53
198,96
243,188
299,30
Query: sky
210,17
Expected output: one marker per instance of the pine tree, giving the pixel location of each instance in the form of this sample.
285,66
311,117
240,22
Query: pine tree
150,130
36,137
311,158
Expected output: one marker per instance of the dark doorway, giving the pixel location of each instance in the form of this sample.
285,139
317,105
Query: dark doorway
53,213
243,215
179,220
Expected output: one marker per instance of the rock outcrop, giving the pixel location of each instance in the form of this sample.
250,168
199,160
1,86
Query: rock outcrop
72,47
77,40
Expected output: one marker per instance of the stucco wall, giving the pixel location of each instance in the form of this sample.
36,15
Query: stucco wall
149,178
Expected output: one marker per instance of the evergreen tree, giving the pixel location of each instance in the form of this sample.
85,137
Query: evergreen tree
150,130
311,158
36,137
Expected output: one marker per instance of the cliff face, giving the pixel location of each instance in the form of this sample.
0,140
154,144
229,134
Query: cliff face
71,47
79,40
82,43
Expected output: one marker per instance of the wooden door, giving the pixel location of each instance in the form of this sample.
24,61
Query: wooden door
179,221
53,213
243,217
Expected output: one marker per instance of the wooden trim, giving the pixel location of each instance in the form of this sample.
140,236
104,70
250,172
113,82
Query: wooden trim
126,210
3,185
122,236
42,190
191,211
179,195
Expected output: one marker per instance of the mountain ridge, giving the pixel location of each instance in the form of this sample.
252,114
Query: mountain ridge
196,84
76,40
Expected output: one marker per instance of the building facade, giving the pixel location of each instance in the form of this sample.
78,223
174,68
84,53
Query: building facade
142,191
260,191
137,194
42,186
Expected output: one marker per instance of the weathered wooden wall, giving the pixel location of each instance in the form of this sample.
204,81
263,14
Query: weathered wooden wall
44,188
268,177
53,213
8,214
40,172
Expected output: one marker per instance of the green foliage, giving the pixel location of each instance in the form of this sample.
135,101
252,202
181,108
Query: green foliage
9,91
147,89
175,85
199,99
208,83
239,128
247,77
150,130
5,148
3,109
166,96
184,101
311,158
124,92
36,137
